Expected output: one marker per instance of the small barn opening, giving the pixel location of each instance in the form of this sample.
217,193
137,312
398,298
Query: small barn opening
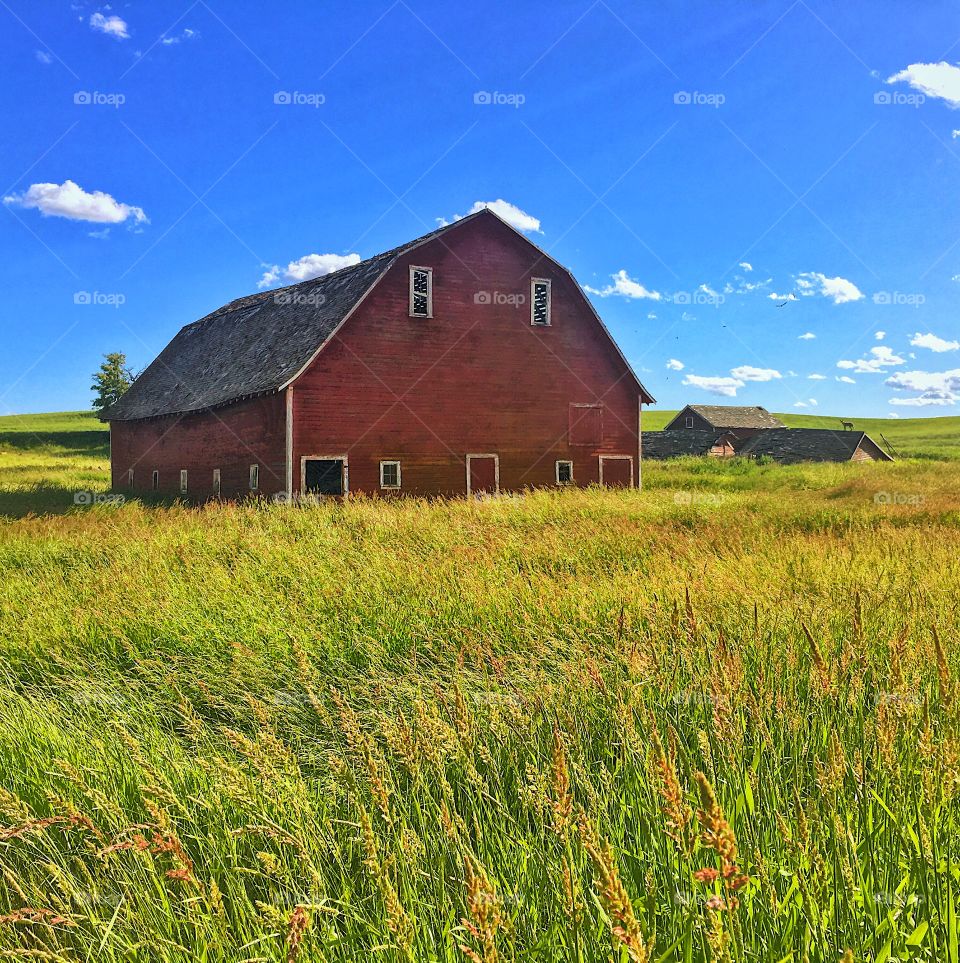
324,476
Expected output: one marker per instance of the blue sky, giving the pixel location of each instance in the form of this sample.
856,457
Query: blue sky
761,197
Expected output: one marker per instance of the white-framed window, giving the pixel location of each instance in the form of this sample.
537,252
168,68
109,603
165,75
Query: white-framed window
421,292
689,421
389,474
155,480
183,481
564,472
540,302
254,477
216,482
129,478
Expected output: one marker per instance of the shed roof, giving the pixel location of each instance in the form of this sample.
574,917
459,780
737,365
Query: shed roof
258,344
677,442
809,444
736,416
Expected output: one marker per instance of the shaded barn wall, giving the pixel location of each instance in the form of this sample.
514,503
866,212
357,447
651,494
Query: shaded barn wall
474,378
868,450
231,438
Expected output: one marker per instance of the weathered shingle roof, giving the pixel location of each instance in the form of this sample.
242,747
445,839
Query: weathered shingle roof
253,345
677,442
737,416
792,445
259,343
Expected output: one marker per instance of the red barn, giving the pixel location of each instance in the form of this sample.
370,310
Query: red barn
466,361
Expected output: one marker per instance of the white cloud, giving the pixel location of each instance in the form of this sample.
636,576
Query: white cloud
512,214
892,414
112,26
307,267
773,296
941,80
845,379
727,387
809,336
799,404
746,265
100,235
816,377
651,316
881,357
954,135
43,57
747,372
675,365
185,34
706,289
72,201
838,289
813,402
956,277
934,343
879,335
624,286
937,388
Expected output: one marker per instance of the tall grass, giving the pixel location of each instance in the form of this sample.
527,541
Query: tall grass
714,720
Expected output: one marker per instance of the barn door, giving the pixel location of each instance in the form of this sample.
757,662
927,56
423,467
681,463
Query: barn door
324,476
616,471
483,474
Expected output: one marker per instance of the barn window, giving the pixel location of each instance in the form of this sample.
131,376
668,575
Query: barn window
389,474
689,421
216,482
421,292
183,481
564,472
129,478
254,477
540,302
155,481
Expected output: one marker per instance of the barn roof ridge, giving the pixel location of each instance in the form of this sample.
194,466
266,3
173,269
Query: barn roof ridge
226,355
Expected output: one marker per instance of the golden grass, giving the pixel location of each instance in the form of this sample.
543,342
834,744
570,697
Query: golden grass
714,720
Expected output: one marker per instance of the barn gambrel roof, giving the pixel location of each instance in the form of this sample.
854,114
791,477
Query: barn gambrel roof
260,343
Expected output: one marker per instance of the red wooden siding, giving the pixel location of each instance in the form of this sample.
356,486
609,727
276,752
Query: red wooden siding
232,439
477,377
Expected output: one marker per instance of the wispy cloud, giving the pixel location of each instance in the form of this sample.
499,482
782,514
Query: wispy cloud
624,286
112,25
940,80
307,267
933,343
809,336
747,372
839,290
71,201
880,357
937,388
512,214
715,385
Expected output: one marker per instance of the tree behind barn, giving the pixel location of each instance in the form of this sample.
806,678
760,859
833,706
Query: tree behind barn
112,380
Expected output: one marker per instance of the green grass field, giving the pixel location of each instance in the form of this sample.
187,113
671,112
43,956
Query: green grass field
714,720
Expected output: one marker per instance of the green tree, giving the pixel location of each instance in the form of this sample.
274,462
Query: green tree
112,380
